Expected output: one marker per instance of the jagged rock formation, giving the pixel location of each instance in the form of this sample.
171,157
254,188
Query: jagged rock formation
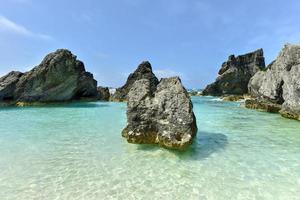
103,93
59,77
144,71
160,115
280,84
235,74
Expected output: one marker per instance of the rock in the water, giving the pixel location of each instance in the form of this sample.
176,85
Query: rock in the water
144,71
8,85
235,74
160,115
103,93
280,83
59,77
233,97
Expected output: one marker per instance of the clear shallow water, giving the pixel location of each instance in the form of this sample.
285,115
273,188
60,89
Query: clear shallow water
76,151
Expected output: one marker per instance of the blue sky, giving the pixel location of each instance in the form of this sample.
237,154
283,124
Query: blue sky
189,38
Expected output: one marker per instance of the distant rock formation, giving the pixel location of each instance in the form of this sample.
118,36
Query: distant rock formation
144,71
280,83
8,85
103,93
160,115
59,77
235,74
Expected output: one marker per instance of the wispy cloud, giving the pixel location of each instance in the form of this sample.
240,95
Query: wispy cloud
165,73
10,26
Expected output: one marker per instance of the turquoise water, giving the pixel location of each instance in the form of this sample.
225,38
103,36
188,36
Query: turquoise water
75,151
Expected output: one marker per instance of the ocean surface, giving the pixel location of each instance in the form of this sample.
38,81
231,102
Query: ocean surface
75,151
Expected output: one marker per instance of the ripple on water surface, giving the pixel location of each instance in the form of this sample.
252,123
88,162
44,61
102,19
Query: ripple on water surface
75,151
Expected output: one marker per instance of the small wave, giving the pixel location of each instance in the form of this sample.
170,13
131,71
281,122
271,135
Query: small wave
216,99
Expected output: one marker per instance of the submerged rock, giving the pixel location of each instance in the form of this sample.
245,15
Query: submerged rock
233,97
235,74
160,115
262,105
280,84
103,93
59,77
144,71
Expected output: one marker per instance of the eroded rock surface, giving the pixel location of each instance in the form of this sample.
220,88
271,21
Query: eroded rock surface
59,77
160,115
280,83
144,71
235,74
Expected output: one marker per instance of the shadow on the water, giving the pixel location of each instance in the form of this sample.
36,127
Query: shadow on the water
86,105
60,105
204,145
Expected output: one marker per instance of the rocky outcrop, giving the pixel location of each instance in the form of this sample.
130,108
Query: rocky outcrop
59,77
279,84
160,115
103,93
235,74
144,71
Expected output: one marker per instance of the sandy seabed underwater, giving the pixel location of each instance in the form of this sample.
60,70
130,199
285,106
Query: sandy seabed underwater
75,151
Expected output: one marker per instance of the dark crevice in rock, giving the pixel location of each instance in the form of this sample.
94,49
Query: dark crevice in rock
280,99
290,65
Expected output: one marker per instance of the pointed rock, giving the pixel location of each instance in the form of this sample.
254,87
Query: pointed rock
144,71
160,115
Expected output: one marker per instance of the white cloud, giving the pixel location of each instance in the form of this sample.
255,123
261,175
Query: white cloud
10,26
2,73
165,73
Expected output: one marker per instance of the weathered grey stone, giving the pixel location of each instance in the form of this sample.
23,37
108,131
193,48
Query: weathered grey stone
235,74
103,93
162,115
280,82
8,85
59,77
144,71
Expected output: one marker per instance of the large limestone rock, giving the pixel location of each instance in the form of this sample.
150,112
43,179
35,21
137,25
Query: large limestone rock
144,71
59,77
235,74
160,115
280,83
